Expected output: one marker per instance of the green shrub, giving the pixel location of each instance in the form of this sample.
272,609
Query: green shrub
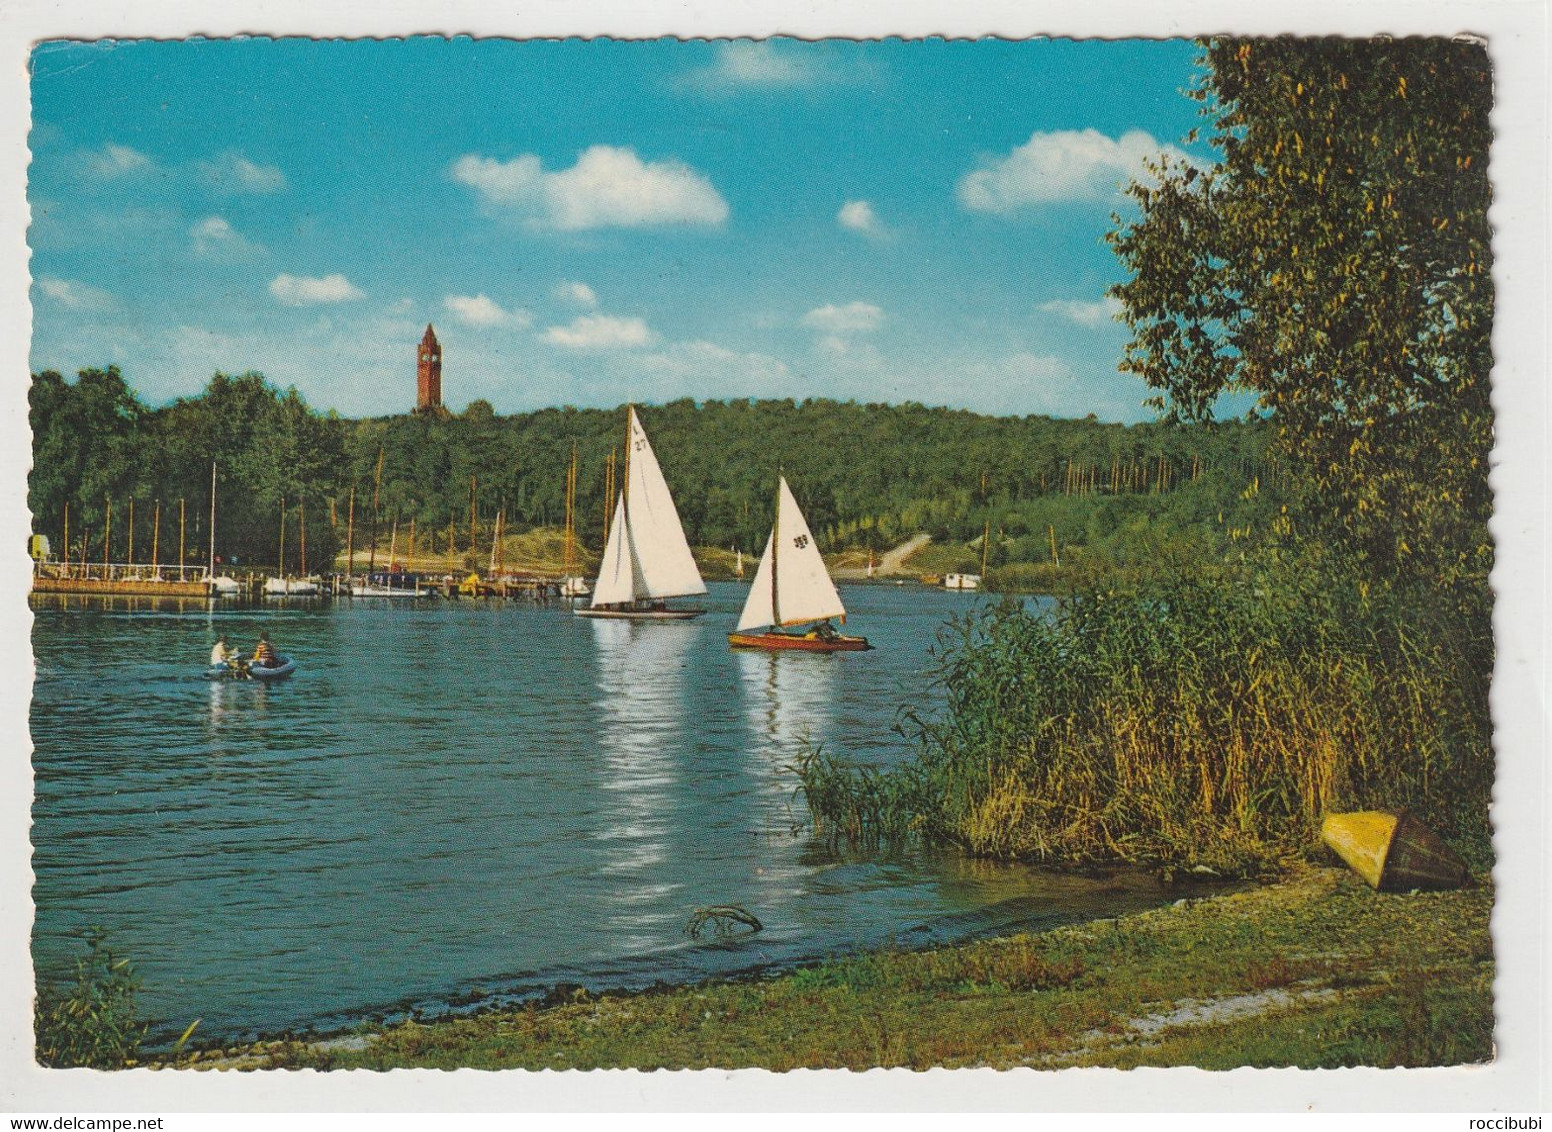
90,1023
1203,719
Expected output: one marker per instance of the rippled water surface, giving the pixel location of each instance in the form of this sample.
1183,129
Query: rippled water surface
460,800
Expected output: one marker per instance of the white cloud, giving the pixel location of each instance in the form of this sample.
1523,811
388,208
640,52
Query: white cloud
579,293
705,369
858,216
215,238
600,332
75,296
851,319
478,310
756,63
608,187
299,290
113,161
1095,313
236,174
1061,165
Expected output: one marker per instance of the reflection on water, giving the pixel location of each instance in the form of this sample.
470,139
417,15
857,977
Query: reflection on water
790,698
789,701
641,713
467,799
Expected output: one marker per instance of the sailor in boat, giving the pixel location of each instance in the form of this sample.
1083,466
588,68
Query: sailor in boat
263,653
222,653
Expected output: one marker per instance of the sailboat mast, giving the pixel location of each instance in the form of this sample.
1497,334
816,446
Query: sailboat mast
776,557
156,537
212,518
571,504
630,413
986,539
281,554
609,493
301,519
377,485
474,547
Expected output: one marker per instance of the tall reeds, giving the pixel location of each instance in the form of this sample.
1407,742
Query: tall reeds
1202,721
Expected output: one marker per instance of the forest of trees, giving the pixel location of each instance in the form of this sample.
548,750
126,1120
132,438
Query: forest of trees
869,476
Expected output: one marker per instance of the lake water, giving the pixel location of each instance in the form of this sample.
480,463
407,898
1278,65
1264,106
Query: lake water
458,802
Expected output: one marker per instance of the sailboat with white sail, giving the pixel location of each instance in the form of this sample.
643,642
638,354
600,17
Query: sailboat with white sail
646,559
792,587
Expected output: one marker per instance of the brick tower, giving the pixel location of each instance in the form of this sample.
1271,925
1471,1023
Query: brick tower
428,385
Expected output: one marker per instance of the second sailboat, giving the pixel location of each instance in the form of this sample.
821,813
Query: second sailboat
792,587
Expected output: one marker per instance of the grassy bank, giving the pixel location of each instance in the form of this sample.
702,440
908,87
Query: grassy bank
1314,971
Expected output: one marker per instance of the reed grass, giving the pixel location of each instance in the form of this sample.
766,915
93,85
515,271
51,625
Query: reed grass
91,1022
1196,721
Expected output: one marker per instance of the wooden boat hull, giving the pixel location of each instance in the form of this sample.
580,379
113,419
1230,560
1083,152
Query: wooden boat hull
804,642
626,614
1393,852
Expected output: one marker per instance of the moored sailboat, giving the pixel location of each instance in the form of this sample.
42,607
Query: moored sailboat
792,587
281,585
572,584
647,559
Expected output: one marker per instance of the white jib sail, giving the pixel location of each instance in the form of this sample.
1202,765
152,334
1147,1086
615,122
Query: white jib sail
616,574
758,606
791,586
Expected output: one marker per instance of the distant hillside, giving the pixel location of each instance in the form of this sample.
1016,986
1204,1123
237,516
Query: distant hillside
869,477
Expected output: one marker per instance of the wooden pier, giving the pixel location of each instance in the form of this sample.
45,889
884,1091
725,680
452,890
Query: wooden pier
121,582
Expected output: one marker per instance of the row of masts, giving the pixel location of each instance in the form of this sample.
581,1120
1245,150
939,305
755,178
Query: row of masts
156,533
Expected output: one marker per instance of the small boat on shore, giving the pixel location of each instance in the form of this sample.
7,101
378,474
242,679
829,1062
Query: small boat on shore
393,583
647,559
792,587
1393,852
290,587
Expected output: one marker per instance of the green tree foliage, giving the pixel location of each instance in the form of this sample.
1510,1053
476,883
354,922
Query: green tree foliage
1335,261
94,442
868,476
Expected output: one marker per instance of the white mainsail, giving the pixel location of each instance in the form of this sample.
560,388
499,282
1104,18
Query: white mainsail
791,587
647,556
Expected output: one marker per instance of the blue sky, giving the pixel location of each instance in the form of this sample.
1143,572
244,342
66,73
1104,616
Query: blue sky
590,223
